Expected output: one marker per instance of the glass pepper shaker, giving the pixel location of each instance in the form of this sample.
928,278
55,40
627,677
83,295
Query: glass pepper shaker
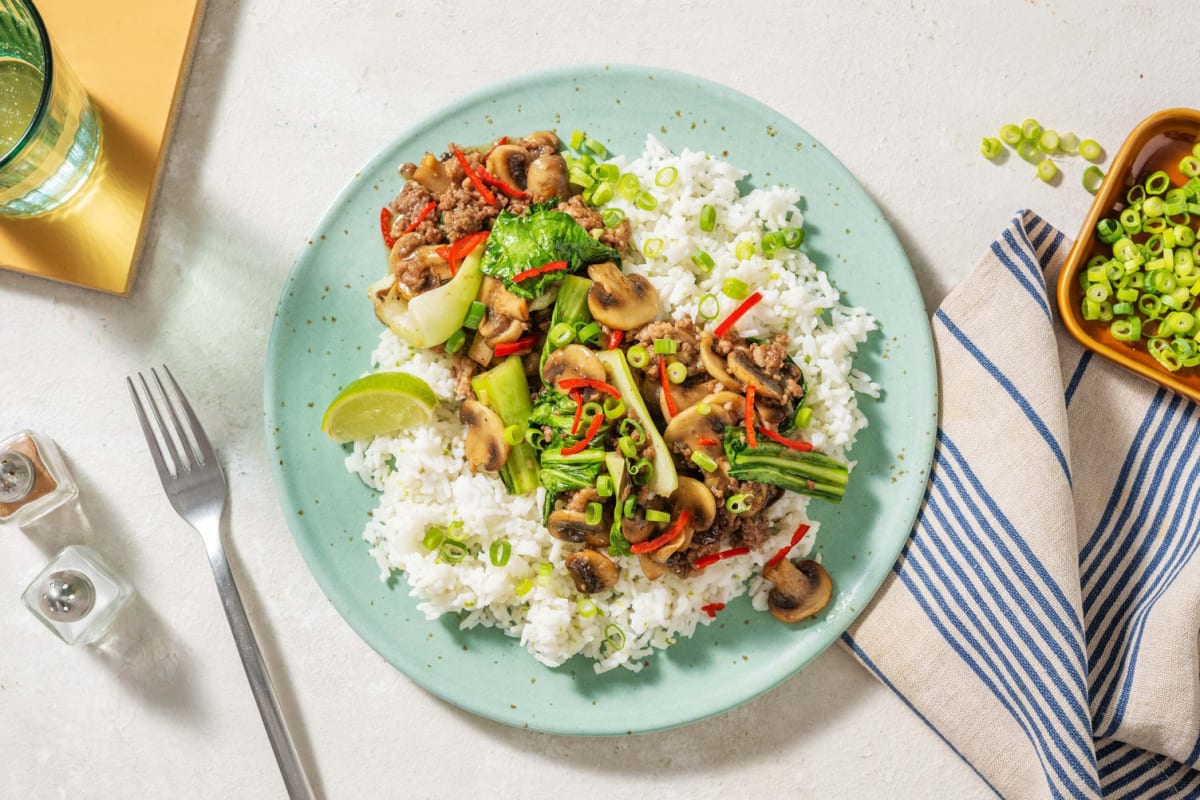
77,595
33,478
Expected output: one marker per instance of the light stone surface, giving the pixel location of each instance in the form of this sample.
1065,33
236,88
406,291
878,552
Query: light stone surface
286,99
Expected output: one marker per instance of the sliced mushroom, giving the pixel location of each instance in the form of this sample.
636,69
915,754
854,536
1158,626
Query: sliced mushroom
486,449
685,395
689,425
622,302
801,590
695,497
772,413
509,163
547,179
742,367
731,403
715,364
543,142
506,313
432,174
651,568
572,361
418,269
637,529
572,526
592,571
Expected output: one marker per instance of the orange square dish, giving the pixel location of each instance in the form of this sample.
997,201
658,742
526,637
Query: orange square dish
1158,143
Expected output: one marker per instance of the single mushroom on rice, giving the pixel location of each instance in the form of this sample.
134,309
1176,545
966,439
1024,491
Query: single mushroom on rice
486,449
592,571
801,590
622,302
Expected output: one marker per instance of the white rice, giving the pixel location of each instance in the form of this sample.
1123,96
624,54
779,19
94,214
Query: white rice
425,482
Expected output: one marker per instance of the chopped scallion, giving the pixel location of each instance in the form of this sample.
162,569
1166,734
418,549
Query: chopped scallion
735,289
652,247
593,514
704,461
703,260
499,552
456,341
638,356
709,307
677,372
654,515
991,147
665,347
666,177
708,218
1091,150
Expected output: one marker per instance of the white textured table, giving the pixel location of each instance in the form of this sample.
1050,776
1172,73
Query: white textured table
284,102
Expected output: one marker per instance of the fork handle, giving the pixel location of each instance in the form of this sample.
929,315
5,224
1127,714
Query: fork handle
298,787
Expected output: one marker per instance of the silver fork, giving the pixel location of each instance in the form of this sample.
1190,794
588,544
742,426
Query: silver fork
195,485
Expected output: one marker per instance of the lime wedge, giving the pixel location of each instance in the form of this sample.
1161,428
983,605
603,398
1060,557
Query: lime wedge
378,404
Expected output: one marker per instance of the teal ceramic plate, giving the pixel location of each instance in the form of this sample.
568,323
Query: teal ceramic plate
324,332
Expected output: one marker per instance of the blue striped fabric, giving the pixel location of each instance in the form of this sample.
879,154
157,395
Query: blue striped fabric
1035,588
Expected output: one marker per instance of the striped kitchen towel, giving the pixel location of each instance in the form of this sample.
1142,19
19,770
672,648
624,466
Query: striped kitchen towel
1044,617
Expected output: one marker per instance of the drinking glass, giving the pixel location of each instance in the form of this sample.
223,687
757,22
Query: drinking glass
49,134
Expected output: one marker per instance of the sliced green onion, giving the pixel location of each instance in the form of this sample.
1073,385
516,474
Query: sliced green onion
677,372
580,178
1189,166
1010,135
738,503
628,506
703,260
704,461
1131,220
1031,130
524,587
772,243
665,177
545,569
735,289
709,307
455,342
1048,141
604,486
646,201
638,356
590,410
514,434
561,334
1046,170
628,186
596,147
793,237
452,551
474,315
593,514
614,636
612,217
627,447
654,515
587,607
652,247
1068,143
1093,176
614,407
803,416
991,147
576,140
433,537
602,193
590,333
499,552
605,172
744,250
708,218
703,408
665,347
1157,183
1028,150
632,429
1091,150
1126,330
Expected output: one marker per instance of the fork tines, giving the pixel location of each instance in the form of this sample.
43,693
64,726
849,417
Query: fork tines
186,445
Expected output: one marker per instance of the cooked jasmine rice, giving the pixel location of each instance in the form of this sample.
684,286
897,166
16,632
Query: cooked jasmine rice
424,480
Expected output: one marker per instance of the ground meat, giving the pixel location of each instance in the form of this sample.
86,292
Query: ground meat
578,500
463,369
682,330
617,237
463,211
407,207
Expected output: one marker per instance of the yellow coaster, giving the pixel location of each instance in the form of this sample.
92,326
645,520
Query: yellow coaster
131,56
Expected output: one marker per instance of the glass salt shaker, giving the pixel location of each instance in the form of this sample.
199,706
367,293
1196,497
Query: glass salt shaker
33,478
77,595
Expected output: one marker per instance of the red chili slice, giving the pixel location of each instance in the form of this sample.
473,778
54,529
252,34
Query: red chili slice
492,180
533,272
737,314
650,545
666,387
512,348
455,253
707,441
484,192
385,226
579,383
712,608
425,212
592,430
750,439
783,551
794,444
708,561
614,339
500,141
578,398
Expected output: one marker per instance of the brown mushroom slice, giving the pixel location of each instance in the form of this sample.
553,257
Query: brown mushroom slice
715,364
546,179
689,425
432,174
622,302
684,395
731,403
486,449
572,526
742,367
696,498
506,313
772,413
651,568
801,590
418,270
636,529
509,163
572,361
592,571
542,141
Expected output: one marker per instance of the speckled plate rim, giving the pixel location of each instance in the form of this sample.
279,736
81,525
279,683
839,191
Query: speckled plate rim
908,409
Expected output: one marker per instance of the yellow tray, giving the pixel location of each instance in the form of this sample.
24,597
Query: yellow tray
131,55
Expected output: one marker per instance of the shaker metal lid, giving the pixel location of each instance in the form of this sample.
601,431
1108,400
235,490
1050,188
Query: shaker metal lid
67,596
16,476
